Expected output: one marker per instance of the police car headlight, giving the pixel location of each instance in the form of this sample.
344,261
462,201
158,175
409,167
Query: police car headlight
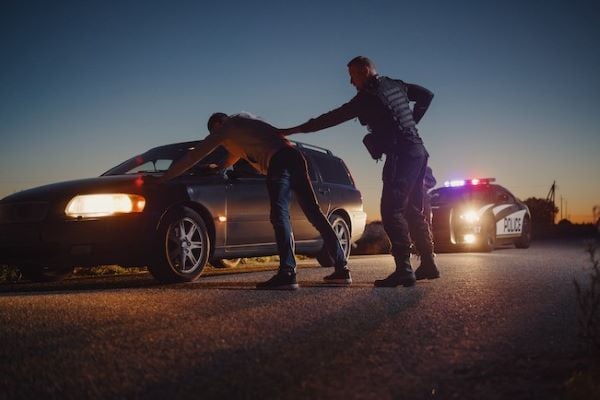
102,205
470,217
470,239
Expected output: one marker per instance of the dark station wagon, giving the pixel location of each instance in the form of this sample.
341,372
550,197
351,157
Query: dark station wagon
175,228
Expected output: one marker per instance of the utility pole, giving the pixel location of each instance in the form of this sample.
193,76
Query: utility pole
561,208
551,196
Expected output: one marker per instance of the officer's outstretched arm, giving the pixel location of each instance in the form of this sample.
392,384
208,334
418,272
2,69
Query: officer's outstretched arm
332,118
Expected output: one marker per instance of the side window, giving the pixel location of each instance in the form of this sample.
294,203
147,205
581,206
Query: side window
503,196
332,169
311,169
243,169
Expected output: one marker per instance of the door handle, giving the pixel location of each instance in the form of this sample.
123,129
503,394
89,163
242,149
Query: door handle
324,190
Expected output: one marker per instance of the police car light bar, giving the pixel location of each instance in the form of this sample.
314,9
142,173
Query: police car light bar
467,182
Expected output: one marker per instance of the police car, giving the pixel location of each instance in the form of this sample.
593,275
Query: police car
477,215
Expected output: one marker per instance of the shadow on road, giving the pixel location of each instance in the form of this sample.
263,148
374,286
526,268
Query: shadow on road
106,283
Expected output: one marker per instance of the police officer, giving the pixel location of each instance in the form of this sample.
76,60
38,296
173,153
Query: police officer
382,104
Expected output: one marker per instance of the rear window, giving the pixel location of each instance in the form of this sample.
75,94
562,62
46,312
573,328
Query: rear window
333,169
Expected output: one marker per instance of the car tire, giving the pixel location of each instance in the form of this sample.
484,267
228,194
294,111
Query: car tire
225,262
180,257
525,240
341,229
36,273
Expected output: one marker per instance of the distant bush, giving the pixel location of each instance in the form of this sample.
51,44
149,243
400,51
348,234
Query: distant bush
542,212
566,228
9,274
374,240
588,300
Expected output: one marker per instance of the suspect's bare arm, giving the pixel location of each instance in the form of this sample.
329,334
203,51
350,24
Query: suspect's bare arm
204,148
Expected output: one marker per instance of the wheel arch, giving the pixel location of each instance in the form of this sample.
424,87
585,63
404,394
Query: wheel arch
345,216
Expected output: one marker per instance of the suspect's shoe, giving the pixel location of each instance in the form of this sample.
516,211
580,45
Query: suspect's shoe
339,277
281,281
424,272
396,279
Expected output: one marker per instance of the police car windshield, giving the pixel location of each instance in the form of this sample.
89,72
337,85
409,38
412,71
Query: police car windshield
472,194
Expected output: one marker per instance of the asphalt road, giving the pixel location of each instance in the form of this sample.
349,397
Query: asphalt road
495,326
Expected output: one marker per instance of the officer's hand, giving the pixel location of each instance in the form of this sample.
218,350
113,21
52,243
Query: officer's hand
289,131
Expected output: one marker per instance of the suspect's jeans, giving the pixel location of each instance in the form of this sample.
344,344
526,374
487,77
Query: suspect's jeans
287,172
402,202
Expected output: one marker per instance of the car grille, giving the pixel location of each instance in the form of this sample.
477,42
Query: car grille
23,212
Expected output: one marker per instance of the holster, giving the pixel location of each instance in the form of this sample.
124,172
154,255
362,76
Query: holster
374,146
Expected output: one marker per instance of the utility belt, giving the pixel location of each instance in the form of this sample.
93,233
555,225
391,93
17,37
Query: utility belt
377,144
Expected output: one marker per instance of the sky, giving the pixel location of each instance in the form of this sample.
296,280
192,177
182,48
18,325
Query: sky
85,85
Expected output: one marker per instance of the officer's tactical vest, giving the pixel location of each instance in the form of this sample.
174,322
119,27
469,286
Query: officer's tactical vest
394,124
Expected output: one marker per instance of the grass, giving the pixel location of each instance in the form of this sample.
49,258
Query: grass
585,383
12,274
588,300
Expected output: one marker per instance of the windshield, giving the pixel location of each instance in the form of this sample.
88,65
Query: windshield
159,159
473,194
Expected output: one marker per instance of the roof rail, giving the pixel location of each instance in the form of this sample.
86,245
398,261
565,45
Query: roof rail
312,147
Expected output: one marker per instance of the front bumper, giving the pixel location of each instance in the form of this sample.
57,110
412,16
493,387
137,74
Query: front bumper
359,221
122,240
450,231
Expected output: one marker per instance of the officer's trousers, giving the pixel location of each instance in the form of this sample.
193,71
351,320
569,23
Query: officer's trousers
402,202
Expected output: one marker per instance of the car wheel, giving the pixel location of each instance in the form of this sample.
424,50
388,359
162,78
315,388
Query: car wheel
488,238
183,246
36,273
225,262
342,231
525,240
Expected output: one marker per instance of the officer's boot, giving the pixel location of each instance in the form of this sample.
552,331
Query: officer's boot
402,276
428,269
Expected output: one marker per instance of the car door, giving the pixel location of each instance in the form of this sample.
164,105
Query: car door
248,207
303,229
509,215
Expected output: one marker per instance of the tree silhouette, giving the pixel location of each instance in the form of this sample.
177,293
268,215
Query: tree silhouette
542,215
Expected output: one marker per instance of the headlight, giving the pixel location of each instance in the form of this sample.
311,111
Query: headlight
470,238
101,205
470,216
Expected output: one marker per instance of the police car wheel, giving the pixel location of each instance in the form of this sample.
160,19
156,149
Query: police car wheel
525,240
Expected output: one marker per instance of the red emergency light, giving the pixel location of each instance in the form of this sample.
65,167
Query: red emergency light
469,182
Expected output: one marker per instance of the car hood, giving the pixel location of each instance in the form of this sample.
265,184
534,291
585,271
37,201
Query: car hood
104,184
